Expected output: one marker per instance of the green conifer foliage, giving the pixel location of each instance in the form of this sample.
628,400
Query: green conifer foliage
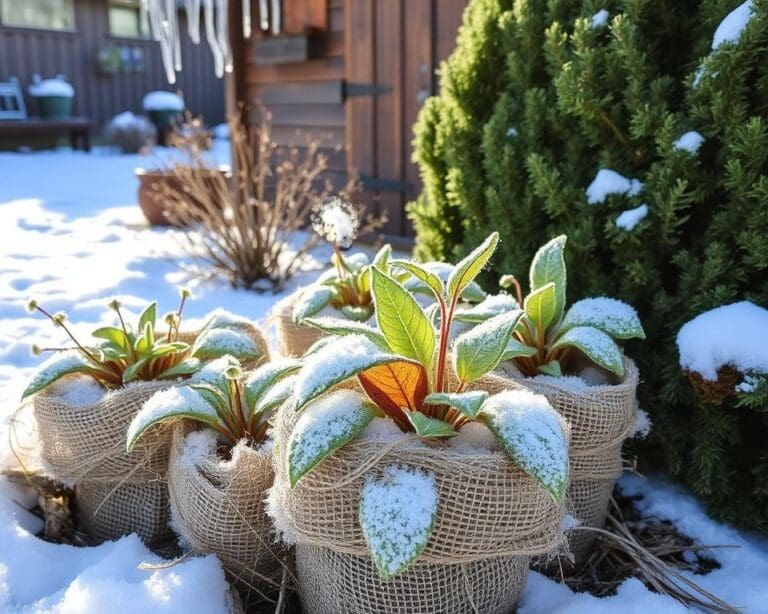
537,98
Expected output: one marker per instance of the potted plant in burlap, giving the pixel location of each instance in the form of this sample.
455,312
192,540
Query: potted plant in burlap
84,399
571,357
221,467
423,486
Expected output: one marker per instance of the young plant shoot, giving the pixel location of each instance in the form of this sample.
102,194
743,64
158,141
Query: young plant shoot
346,286
546,336
411,376
125,354
219,397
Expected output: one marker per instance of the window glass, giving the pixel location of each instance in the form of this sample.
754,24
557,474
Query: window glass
125,20
46,14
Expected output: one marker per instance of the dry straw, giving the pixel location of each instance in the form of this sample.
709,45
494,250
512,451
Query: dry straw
491,518
601,418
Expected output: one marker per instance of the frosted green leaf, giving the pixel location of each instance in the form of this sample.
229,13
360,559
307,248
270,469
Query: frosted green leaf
266,376
357,313
431,280
325,426
171,404
215,373
148,316
541,306
611,316
56,367
428,427
468,403
493,305
596,345
276,395
530,432
473,293
185,367
336,362
217,342
311,301
397,516
466,270
337,326
381,258
551,368
480,350
548,265
224,319
516,349
402,322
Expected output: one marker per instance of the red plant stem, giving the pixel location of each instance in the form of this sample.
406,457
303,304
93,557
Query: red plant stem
445,316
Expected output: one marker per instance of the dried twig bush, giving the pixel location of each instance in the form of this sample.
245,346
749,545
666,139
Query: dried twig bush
249,228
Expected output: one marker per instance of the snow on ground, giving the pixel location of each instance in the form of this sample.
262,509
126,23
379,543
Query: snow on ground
73,236
735,334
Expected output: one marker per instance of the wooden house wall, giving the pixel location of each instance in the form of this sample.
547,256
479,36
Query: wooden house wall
26,51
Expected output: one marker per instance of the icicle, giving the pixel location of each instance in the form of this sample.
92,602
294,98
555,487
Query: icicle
193,20
210,35
277,17
246,19
264,15
222,33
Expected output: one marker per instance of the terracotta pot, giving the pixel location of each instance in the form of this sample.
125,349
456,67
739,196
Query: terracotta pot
153,203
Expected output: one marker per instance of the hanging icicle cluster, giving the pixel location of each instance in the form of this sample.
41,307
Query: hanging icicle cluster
164,23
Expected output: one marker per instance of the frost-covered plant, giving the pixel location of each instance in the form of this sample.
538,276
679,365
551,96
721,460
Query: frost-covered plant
125,353
220,397
411,376
130,133
546,336
347,285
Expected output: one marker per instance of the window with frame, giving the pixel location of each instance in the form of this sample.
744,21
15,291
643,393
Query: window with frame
42,14
126,19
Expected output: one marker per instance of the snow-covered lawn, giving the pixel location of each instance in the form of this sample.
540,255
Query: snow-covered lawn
73,237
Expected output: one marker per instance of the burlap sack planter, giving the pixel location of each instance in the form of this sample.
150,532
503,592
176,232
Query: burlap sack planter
218,507
293,339
491,518
601,418
85,445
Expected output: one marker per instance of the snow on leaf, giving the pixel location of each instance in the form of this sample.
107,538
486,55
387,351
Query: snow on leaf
468,403
337,326
276,395
610,315
185,367
480,350
214,373
467,269
336,362
402,322
217,342
397,516
266,376
311,301
325,426
171,403
548,265
492,305
600,19
56,367
630,218
357,261
529,430
220,318
607,182
596,345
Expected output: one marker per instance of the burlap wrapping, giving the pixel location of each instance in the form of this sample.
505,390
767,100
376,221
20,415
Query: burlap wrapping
86,445
219,508
601,418
492,516
293,339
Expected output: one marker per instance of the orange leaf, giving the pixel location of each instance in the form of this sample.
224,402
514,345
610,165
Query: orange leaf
395,385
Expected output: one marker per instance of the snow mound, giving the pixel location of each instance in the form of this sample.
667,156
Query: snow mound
162,101
569,383
630,218
735,335
221,131
607,182
600,19
79,391
730,28
381,429
472,439
52,87
690,142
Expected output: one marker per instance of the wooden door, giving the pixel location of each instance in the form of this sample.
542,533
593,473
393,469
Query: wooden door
392,49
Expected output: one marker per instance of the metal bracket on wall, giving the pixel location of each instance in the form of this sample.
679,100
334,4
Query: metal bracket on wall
364,89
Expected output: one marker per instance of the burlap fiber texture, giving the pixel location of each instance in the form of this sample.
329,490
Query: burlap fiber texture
489,511
219,508
601,418
293,339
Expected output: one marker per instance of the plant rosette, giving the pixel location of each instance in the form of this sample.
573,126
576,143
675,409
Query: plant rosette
423,501
571,356
85,398
221,467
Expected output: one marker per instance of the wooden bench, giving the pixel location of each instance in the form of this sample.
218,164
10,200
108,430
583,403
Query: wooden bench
15,122
78,129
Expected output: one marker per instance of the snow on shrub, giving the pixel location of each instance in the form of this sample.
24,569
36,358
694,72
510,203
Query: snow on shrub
162,101
131,133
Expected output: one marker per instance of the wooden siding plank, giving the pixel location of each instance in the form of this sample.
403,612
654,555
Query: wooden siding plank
298,15
317,92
